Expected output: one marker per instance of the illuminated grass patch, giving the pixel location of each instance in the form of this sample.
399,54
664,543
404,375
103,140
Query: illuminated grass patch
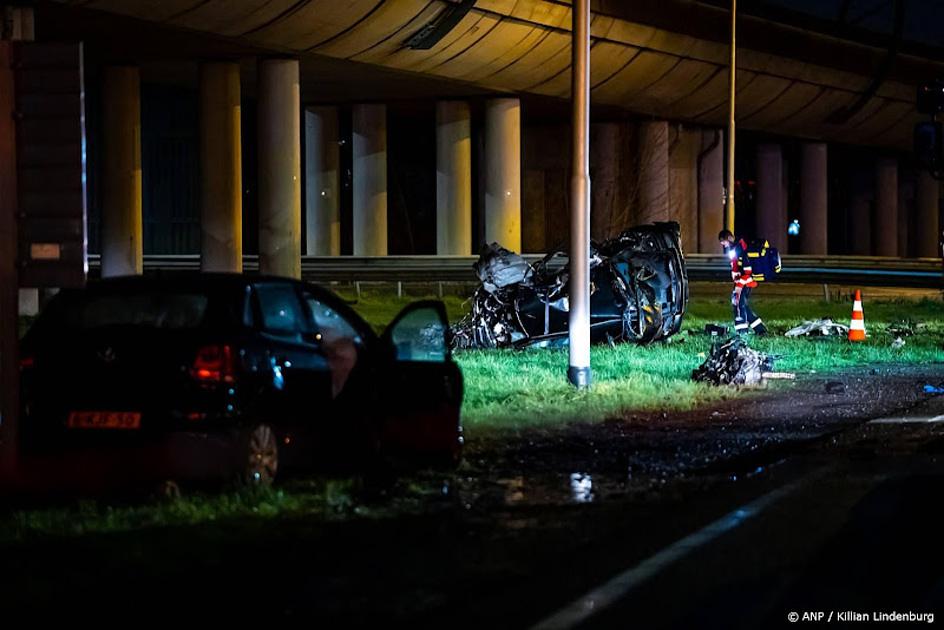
317,497
516,389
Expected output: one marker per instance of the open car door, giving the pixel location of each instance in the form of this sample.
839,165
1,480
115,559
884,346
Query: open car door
423,388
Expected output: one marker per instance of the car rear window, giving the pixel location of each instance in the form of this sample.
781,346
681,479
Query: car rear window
167,310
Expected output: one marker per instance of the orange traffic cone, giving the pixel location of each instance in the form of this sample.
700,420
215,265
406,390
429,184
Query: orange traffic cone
857,325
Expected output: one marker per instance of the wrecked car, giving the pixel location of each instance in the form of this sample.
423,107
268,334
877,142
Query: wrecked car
638,293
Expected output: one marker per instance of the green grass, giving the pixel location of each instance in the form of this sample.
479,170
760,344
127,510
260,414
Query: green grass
379,308
318,497
509,390
517,389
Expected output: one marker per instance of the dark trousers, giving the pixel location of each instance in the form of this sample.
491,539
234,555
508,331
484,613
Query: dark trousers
744,317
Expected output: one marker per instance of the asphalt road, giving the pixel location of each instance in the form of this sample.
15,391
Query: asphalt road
728,518
842,532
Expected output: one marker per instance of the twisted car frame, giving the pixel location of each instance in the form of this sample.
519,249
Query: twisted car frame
638,285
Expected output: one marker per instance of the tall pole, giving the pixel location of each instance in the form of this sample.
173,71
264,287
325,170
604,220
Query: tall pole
9,281
729,210
579,326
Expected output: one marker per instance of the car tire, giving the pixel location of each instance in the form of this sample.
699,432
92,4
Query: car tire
260,457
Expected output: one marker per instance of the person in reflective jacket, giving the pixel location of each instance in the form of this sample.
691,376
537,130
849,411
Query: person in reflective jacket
742,274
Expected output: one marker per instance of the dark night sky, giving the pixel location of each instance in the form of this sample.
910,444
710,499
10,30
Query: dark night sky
924,19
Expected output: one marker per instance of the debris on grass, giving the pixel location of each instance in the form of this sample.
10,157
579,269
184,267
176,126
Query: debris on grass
905,328
733,362
898,343
714,330
779,376
818,328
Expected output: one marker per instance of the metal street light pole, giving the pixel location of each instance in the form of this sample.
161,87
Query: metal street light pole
729,210
579,325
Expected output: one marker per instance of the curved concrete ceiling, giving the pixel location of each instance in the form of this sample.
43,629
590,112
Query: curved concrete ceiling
524,46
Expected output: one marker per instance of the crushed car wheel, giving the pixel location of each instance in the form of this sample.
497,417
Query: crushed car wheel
262,457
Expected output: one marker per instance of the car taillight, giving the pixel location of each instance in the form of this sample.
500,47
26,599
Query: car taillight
27,362
214,364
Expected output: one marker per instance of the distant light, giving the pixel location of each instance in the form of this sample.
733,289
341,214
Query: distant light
794,228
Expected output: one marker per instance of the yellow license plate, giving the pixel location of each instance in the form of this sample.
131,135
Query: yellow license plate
104,420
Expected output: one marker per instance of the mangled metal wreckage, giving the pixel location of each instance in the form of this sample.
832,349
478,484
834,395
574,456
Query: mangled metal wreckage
638,293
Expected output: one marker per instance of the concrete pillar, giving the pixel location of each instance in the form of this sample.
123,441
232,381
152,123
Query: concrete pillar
322,182
534,212
771,215
653,172
503,172
605,175
813,199
789,214
221,167
683,184
885,214
906,197
122,249
369,124
710,191
280,161
17,24
453,178
927,219
860,213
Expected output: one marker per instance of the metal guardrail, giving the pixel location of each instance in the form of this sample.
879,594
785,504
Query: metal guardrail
859,270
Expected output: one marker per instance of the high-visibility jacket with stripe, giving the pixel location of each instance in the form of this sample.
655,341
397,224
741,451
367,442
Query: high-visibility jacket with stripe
741,268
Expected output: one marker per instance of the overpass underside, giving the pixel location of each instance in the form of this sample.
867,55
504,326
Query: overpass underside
374,127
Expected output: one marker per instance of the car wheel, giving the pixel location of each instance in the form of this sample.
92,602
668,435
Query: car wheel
262,456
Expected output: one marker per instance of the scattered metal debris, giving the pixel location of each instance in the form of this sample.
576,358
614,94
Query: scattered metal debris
898,343
638,293
714,330
779,376
498,268
818,328
905,328
733,362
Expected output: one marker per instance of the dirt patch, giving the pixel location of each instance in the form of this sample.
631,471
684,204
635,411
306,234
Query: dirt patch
644,449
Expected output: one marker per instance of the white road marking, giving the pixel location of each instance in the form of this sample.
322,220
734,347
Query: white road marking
610,593
908,420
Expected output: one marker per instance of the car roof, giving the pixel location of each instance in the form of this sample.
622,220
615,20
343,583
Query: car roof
216,282
186,280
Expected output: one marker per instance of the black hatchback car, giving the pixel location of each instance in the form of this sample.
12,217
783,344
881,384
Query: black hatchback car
232,376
